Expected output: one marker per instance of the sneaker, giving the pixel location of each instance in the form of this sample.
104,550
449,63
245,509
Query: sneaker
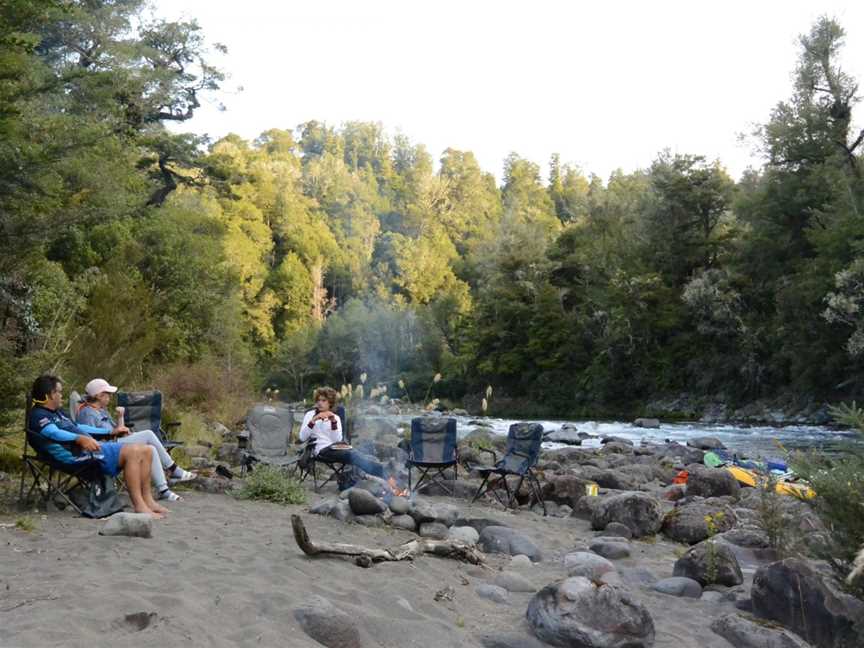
180,475
169,495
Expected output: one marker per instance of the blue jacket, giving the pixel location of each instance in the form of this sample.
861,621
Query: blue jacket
56,426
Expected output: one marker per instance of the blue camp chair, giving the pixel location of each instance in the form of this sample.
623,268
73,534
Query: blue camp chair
520,457
54,480
144,412
432,451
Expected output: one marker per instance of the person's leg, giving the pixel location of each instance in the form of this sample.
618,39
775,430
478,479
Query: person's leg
148,458
136,474
364,462
149,437
162,463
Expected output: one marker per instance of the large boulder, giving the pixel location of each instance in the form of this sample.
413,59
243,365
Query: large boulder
745,537
403,522
650,423
589,565
611,548
492,593
615,439
434,530
363,502
465,534
679,586
565,489
677,451
134,525
569,436
327,624
576,612
744,632
496,539
795,595
513,582
711,482
617,480
617,448
689,522
424,511
706,443
710,563
639,512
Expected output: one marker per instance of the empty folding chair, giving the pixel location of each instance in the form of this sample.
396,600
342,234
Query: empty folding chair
269,429
520,457
144,412
432,451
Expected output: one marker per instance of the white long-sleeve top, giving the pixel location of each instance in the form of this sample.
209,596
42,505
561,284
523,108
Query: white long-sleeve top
326,432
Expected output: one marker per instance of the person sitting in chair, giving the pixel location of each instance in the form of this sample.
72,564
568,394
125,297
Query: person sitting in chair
325,427
94,412
71,440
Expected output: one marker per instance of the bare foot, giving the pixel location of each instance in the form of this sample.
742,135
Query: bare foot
158,508
148,511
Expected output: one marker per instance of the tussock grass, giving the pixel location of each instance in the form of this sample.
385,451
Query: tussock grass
270,484
26,524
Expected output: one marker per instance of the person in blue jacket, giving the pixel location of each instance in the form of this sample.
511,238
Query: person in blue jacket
71,440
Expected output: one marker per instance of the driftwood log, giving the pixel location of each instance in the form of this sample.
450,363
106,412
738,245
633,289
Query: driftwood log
365,556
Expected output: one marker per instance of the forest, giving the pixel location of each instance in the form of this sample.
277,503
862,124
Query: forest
314,254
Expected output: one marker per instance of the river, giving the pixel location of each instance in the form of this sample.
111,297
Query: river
754,441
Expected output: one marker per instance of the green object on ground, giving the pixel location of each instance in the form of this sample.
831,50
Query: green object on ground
713,460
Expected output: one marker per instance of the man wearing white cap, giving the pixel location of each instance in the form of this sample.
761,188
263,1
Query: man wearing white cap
95,412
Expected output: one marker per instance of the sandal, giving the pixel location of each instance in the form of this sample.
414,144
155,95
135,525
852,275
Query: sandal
170,496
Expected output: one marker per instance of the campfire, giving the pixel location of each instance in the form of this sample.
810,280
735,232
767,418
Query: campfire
394,487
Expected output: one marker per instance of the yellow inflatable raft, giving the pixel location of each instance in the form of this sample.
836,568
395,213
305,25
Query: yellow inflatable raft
749,478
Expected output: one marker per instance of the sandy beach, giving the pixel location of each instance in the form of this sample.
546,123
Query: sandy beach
223,572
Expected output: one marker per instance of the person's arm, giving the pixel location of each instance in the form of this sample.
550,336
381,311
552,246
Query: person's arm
95,418
93,430
63,436
336,427
307,425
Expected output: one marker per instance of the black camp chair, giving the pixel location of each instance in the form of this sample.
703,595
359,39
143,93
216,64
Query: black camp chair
431,452
144,412
51,479
520,457
307,462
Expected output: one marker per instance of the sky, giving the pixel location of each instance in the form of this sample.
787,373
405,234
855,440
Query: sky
606,85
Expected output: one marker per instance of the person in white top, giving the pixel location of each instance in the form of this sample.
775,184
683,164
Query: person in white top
325,427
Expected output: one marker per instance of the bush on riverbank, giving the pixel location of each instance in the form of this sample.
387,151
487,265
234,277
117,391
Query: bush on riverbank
839,483
271,484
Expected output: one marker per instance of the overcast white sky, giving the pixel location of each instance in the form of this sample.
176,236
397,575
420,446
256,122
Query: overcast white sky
605,84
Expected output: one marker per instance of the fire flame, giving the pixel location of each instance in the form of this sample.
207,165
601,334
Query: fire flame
399,492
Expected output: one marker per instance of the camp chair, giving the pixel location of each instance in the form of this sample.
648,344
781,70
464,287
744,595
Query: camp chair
307,462
432,451
520,457
52,479
269,428
75,400
144,412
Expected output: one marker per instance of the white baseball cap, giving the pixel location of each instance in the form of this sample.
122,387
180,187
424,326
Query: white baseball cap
99,385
